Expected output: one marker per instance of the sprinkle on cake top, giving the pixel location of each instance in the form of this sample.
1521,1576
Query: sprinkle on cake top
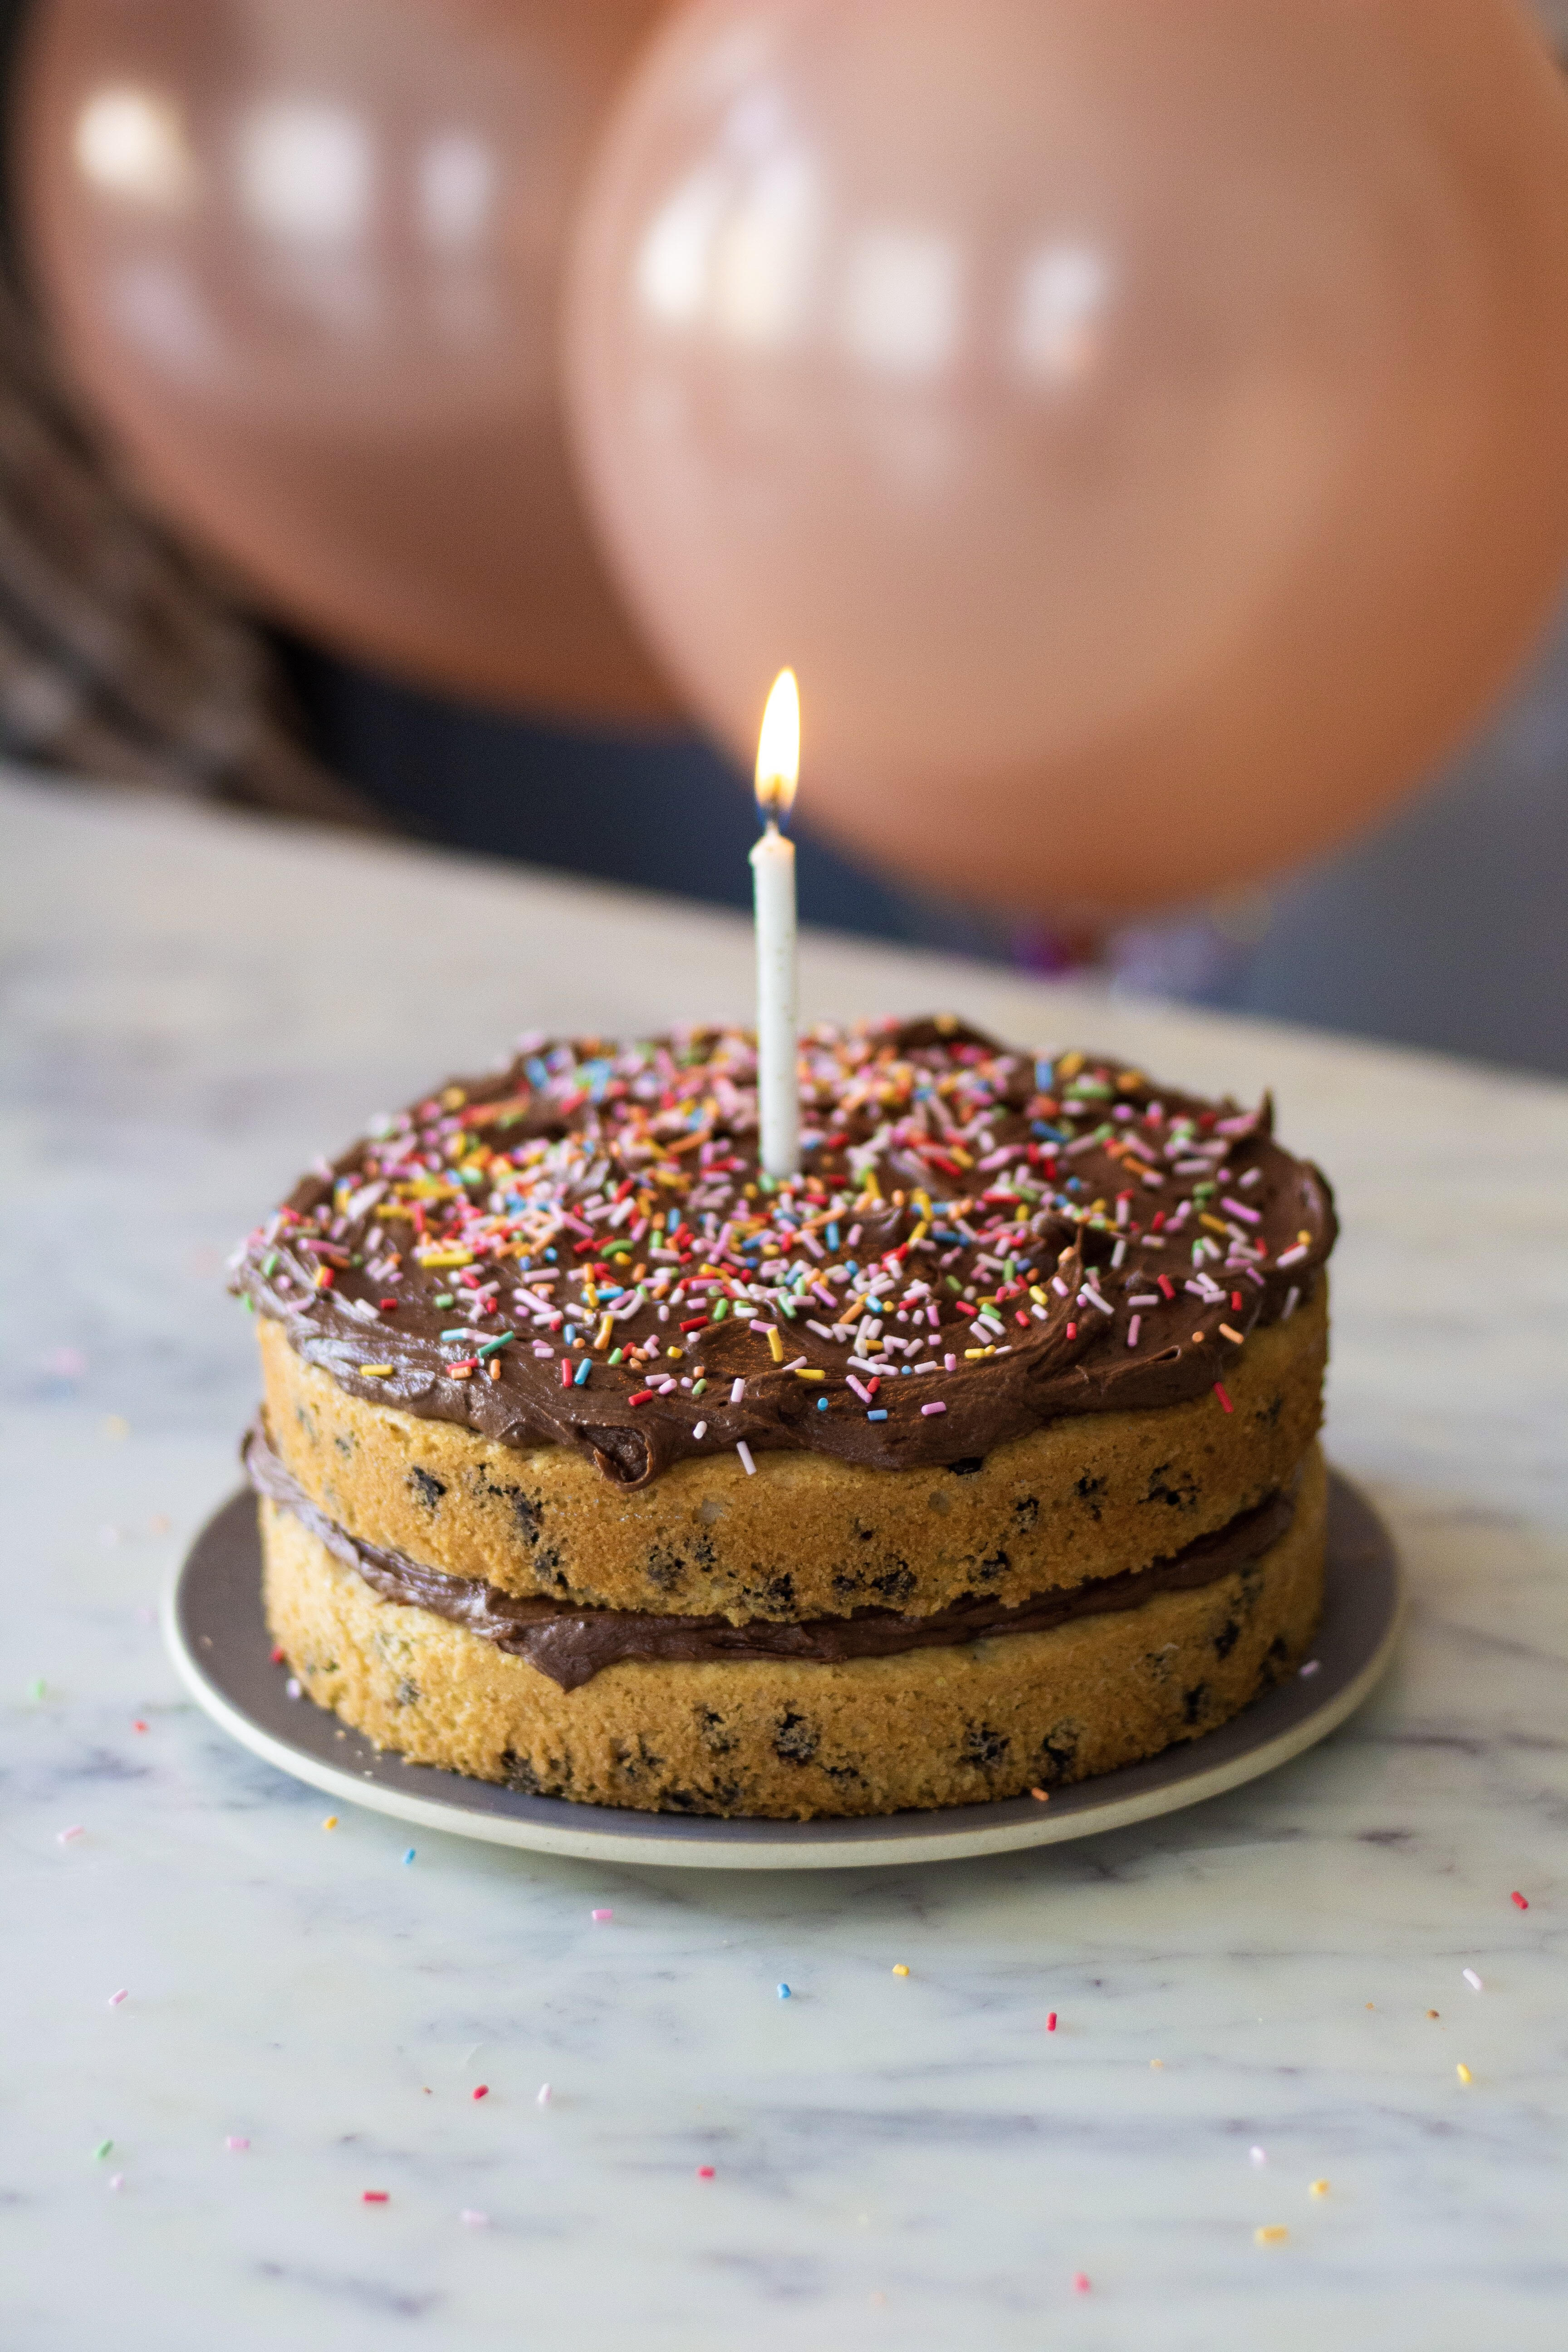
581,1249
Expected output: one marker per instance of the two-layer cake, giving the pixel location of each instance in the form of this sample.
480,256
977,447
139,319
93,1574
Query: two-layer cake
979,1457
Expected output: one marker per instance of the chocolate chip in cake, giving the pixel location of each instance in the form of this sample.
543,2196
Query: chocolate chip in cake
794,1739
1181,1495
984,1745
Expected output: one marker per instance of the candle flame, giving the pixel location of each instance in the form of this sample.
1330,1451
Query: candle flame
778,748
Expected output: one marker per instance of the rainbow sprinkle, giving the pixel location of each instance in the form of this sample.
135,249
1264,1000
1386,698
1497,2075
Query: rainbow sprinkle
591,1220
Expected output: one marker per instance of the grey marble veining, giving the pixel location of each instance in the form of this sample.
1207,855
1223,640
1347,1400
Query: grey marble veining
194,1006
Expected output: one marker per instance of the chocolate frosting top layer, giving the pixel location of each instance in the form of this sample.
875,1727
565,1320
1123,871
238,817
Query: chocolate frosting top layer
579,1250
571,1645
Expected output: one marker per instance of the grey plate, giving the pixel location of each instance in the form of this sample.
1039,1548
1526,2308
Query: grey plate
223,1651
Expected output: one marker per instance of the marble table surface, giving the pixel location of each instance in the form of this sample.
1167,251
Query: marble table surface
198,1004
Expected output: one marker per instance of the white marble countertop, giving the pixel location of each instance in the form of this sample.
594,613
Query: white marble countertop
196,1005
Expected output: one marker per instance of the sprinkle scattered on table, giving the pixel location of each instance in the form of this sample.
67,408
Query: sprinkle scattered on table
1271,2233
783,1992
374,2197
409,1855
705,2172
543,2099
1464,2073
1259,2156
480,2090
1473,1980
899,1969
1518,1900
102,2150
1051,2022
1318,2189
116,1998
605,1913
1080,2283
236,2142
473,2220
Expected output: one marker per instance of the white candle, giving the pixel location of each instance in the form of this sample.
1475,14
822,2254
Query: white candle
773,883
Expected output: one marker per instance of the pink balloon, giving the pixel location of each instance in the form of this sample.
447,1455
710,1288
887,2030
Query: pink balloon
1143,426
303,257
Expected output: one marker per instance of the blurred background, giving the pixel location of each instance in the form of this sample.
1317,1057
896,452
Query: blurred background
292,515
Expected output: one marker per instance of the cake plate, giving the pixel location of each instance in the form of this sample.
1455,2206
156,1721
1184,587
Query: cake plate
221,1646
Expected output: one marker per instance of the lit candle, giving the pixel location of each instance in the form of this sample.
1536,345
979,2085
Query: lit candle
773,883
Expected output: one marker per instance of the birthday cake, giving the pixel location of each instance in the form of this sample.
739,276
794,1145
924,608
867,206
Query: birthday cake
979,1457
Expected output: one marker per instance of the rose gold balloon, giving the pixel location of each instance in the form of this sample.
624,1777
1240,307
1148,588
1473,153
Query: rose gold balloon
304,255
1143,426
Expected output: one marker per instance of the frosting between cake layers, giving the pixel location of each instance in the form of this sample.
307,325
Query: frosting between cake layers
573,1644
579,1249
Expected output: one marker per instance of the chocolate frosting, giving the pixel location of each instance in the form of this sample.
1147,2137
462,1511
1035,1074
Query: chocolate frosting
980,1241
572,1645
